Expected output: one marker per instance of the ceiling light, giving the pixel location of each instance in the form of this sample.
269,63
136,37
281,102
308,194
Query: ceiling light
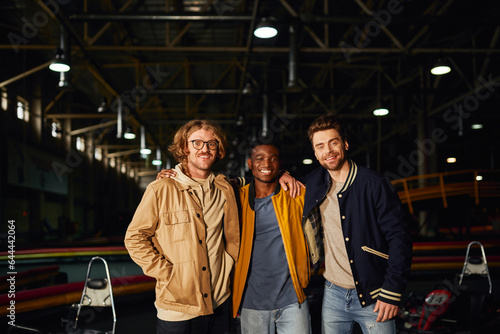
440,68
59,64
451,160
265,29
144,150
103,105
129,134
61,61
63,80
307,161
157,161
381,111
477,126
248,89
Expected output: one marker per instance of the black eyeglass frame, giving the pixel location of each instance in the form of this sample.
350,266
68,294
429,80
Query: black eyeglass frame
205,143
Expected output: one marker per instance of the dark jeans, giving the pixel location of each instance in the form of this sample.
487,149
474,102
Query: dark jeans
216,323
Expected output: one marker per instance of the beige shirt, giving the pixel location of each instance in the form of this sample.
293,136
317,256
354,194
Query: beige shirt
337,267
212,202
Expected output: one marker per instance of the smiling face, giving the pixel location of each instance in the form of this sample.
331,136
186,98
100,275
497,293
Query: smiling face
330,149
200,162
265,163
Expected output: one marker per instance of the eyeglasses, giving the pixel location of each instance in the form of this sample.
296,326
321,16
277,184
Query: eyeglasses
211,144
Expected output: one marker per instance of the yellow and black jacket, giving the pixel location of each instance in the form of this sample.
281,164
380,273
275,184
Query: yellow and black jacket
289,215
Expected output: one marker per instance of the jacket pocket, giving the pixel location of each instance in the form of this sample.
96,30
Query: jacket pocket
375,252
182,286
176,226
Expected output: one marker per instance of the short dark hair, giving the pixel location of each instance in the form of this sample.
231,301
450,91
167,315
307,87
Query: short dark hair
264,141
327,122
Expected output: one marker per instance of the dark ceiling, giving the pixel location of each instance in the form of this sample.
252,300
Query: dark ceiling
172,61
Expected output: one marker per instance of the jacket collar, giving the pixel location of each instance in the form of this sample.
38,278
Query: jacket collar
353,171
219,180
251,193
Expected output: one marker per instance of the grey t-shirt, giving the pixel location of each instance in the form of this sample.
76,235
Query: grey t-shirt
269,285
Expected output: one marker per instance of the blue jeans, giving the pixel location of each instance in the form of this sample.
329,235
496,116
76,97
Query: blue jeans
291,319
341,309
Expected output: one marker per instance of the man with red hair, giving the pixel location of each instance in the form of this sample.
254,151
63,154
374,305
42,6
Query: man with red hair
185,233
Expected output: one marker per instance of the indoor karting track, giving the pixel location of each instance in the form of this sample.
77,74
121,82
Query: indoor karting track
48,281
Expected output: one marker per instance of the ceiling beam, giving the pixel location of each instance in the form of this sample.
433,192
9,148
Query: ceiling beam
92,40
304,17
25,74
246,59
122,153
92,128
79,116
114,147
293,13
186,28
242,49
214,85
382,26
213,91
424,30
404,126
159,17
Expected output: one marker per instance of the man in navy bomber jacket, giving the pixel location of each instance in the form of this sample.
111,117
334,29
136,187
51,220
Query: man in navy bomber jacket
367,241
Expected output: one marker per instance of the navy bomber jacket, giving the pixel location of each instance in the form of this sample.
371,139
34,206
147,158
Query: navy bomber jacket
376,231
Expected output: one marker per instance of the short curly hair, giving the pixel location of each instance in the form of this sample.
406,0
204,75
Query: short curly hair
179,145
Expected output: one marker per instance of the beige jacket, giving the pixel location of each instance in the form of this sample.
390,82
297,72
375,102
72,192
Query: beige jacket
166,238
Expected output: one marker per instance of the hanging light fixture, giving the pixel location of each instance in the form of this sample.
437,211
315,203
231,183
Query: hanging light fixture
265,29
129,133
477,126
379,109
119,118
157,161
61,63
451,160
440,68
64,80
248,89
103,105
265,106
240,121
144,150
